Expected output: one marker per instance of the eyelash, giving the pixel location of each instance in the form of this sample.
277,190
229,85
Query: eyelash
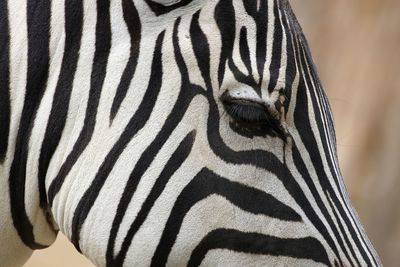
247,112
252,116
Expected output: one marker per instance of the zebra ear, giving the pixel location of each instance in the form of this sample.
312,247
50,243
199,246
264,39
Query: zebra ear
166,2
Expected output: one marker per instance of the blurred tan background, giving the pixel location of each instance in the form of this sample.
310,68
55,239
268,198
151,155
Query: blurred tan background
356,47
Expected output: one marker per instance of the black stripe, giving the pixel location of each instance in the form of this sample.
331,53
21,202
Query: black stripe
132,21
4,80
38,22
207,183
291,67
224,10
103,45
254,243
244,50
136,123
201,48
60,104
159,9
176,160
242,78
275,65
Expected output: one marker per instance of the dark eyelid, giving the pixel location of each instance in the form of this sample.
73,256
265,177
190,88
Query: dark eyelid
251,114
247,111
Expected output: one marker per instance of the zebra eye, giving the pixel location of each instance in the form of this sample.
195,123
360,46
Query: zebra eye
251,118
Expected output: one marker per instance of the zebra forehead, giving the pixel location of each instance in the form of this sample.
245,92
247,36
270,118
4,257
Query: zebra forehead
162,7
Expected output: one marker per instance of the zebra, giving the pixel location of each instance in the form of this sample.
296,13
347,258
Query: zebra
169,133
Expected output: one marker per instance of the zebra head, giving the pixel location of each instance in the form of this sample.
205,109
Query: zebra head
169,132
